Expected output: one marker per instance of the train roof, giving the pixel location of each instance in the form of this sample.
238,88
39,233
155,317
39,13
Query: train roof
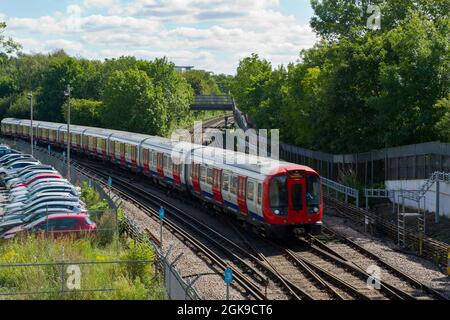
226,159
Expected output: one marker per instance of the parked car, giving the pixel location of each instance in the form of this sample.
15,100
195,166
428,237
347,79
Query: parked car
44,189
38,177
55,225
36,183
69,201
17,166
17,220
20,158
12,155
4,150
38,198
24,177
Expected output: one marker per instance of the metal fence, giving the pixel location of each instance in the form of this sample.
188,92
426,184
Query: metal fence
67,279
176,287
416,161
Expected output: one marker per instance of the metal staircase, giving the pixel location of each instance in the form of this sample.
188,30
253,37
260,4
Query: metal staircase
418,197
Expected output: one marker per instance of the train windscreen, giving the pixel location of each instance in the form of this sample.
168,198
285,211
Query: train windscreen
313,193
279,195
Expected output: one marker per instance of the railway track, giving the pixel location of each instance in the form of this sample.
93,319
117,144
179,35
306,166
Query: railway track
256,277
309,269
401,283
329,268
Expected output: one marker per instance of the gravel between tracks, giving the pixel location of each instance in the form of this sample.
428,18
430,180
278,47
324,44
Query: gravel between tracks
210,286
416,267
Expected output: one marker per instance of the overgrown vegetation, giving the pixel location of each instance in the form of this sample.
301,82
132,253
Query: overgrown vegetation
151,97
127,281
358,89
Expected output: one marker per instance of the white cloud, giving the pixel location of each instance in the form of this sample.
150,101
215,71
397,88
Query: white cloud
154,28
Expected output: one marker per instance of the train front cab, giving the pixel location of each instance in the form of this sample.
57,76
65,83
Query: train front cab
293,202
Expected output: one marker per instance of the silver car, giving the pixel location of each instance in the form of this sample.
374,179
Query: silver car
39,197
76,203
45,189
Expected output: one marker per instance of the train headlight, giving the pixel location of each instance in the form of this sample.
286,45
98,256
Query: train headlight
316,210
277,212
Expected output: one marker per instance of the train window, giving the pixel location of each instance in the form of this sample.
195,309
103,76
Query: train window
166,162
226,182
150,157
297,197
250,191
209,178
278,195
203,174
259,193
169,159
313,193
233,186
155,159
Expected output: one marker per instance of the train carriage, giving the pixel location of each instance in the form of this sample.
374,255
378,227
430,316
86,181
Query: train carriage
277,197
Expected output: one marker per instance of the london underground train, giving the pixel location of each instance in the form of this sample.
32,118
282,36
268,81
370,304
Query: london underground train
275,197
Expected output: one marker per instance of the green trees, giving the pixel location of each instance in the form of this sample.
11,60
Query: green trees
358,89
7,45
131,101
61,72
202,82
84,112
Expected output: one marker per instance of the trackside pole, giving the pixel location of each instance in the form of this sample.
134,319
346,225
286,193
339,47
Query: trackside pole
228,280
161,219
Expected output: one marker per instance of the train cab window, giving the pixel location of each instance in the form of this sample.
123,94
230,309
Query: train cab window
278,195
226,182
250,191
259,193
313,193
209,178
202,174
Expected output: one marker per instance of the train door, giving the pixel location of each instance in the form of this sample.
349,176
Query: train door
251,196
296,198
154,163
133,156
145,160
241,195
229,190
259,195
195,177
123,161
217,185
176,172
112,149
160,165
93,146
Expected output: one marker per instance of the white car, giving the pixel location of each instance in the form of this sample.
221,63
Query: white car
76,203
17,190
16,166
45,189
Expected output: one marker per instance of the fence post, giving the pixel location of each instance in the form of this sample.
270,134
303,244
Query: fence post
62,269
438,196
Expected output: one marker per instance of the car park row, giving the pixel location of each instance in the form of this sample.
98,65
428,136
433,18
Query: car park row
36,199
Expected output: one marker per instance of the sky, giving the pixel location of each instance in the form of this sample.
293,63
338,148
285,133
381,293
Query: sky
211,35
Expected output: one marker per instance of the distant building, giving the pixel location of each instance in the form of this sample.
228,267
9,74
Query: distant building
184,68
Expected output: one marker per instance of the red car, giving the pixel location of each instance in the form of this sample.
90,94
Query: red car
55,225
42,176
